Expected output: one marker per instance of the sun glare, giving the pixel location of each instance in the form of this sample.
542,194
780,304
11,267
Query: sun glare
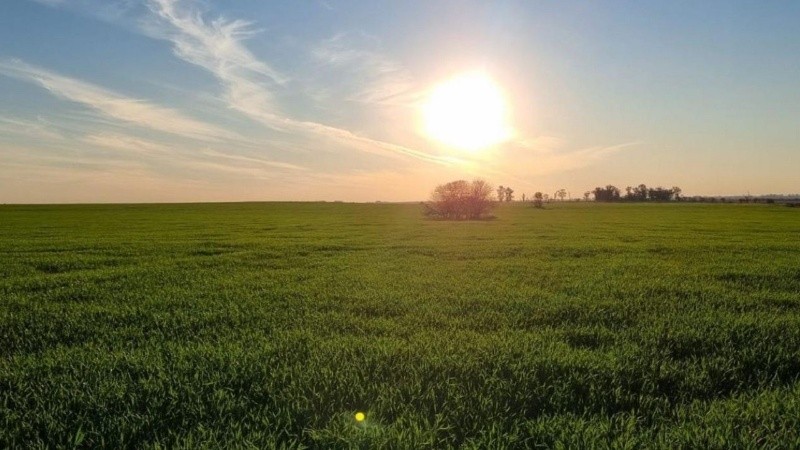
467,112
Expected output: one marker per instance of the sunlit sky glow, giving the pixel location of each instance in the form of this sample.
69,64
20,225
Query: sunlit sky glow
189,100
467,112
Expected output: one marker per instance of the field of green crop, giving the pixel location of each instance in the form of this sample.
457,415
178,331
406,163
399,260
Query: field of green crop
271,325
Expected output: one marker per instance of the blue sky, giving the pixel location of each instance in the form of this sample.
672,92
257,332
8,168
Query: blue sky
186,100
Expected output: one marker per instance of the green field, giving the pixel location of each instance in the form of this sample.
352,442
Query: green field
271,325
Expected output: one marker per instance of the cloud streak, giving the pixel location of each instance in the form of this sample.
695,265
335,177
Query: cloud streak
548,157
378,79
38,129
131,110
217,46
182,156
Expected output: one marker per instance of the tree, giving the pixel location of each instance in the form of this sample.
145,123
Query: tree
608,194
676,192
509,194
659,194
561,193
537,200
640,192
501,193
586,196
460,199
628,193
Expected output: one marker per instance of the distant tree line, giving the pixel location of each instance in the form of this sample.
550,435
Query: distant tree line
611,193
640,193
790,201
607,194
464,200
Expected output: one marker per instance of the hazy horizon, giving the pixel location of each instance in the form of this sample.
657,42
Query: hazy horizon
200,101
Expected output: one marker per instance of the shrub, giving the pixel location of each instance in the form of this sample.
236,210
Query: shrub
460,200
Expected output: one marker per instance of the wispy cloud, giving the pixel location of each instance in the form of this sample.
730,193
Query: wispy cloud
325,4
366,144
111,11
131,110
249,160
39,129
218,47
549,155
372,77
183,156
541,144
126,143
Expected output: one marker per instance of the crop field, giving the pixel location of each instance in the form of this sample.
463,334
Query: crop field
268,325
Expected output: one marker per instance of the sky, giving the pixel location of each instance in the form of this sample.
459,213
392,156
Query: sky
305,100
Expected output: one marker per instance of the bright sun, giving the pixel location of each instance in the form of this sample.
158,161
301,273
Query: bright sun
467,112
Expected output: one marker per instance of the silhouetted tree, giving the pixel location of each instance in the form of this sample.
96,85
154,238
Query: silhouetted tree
607,194
537,200
628,193
640,192
501,193
659,194
460,199
561,193
509,194
586,196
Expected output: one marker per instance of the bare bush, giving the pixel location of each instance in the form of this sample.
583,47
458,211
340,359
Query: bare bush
461,200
